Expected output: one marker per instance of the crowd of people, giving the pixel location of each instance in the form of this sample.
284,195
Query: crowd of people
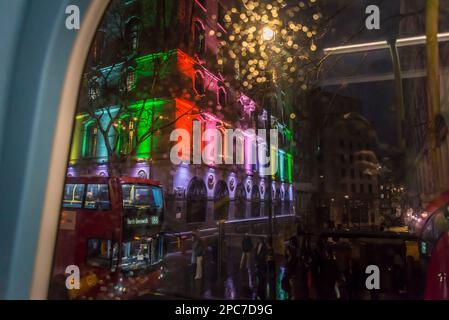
319,268
329,271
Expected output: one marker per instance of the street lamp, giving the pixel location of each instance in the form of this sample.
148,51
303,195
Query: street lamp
267,34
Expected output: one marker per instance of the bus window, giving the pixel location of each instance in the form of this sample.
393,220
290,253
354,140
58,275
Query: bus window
141,254
101,253
97,197
73,196
142,197
136,255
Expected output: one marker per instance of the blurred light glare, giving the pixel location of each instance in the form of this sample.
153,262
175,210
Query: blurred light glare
267,33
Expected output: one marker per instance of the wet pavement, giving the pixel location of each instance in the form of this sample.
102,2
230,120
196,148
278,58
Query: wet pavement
235,283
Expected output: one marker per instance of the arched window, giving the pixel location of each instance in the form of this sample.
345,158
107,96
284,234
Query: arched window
90,140
255,201
199,39
240,199
196,201
221,201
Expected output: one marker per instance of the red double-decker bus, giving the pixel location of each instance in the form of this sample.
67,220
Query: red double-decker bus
434,247
110,228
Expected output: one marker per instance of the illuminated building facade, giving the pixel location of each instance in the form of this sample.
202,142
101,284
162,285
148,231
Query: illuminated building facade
169,83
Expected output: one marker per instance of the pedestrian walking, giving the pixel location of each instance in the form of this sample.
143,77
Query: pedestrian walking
291,263
261,268
327,276
247,247
197,256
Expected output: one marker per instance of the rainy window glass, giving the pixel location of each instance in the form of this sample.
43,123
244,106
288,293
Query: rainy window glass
340,145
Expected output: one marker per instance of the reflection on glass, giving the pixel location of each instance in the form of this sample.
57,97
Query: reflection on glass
73,195
101,253
97,197
141,254
141,197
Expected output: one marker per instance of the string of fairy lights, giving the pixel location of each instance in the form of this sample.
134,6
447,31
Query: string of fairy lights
269,41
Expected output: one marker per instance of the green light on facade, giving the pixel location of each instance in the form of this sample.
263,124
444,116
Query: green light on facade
289,167
160,63
282,165
288,134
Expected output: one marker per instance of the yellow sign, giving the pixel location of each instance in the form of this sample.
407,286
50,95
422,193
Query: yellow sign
87,282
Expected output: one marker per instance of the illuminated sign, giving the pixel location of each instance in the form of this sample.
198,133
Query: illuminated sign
423,248
153,220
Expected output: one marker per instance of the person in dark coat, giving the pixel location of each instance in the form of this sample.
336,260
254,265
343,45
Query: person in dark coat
354,279
197,256
291,263
261,268
327,277
247,247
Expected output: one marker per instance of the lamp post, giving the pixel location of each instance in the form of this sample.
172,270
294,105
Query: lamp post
268,34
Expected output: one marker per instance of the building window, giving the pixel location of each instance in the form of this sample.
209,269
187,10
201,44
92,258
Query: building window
130,81
342,143
126,136
91,141
370,188
342,157
94,90
353,188
362,188
343,173
133,34
352,174
221,98
351,158
199,83
200,40
97,47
